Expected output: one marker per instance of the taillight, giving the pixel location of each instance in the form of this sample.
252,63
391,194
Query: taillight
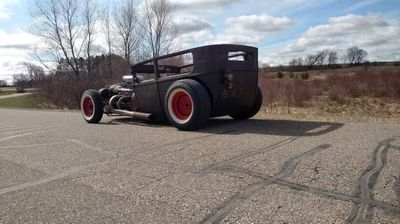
228,80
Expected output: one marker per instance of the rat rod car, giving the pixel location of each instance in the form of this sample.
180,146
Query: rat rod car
184,88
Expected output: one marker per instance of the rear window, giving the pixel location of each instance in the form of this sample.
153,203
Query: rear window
240,56
176,65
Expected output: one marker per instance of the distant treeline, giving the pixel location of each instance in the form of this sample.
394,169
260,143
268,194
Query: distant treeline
299,68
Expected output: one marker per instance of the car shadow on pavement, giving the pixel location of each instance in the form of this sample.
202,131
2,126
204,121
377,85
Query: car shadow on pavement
132,121
270,127
254,126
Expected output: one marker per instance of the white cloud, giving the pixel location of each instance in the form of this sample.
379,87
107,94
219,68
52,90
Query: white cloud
263,23
5,6
252,29
290,6
14,49
192,39
370,32
192,31
242,39
201,8
345,25
188,24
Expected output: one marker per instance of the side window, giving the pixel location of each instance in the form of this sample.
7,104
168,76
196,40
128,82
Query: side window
239,56
176,65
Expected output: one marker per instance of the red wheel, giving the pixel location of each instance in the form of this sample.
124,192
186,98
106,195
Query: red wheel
88,107
187,104
92,106
181,105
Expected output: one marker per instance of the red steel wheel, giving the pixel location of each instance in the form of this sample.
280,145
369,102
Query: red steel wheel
92,106
181,105
187,104
88,107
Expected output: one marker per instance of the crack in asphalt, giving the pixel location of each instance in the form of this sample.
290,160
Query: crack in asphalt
363,213
316,190
363,201
85,145
396,189
30,132
287,169
249,154
395,147
396,184
174,166
310,189
15,136
32,145
34,129
12,126
75,170
184,141
50,178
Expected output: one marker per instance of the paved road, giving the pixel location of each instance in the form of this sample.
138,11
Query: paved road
14,95
55,168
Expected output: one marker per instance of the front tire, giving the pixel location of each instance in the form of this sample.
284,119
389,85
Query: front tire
91,106
254,109
187,104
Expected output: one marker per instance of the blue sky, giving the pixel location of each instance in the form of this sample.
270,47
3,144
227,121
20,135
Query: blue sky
282,29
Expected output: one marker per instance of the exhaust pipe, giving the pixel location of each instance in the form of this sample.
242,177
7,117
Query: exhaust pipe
133,114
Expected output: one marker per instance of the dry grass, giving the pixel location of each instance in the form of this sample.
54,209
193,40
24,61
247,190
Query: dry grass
354,92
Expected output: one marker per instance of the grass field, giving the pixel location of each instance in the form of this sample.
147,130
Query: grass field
20,102
3,93
6,91
349,92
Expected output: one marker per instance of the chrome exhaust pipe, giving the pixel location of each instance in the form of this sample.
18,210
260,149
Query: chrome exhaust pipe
133,114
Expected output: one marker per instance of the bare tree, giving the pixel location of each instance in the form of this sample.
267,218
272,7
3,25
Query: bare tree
58,23
293,62
21,81
299,62
361,56
127,28
90,16
3,83
158,25
296,62
311,60
106,26
332,58
356,55
316,59
352,54
35,73
321,57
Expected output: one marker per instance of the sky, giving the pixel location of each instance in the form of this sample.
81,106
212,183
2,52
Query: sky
282,30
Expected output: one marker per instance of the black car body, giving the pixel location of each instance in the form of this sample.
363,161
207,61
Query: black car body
208,81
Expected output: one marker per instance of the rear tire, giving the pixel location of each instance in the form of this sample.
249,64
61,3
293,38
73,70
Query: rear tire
253,111
187,104
91,106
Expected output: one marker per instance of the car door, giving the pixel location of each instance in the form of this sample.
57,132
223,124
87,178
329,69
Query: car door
147,96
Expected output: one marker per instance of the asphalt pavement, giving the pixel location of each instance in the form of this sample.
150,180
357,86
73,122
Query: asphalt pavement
55,168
